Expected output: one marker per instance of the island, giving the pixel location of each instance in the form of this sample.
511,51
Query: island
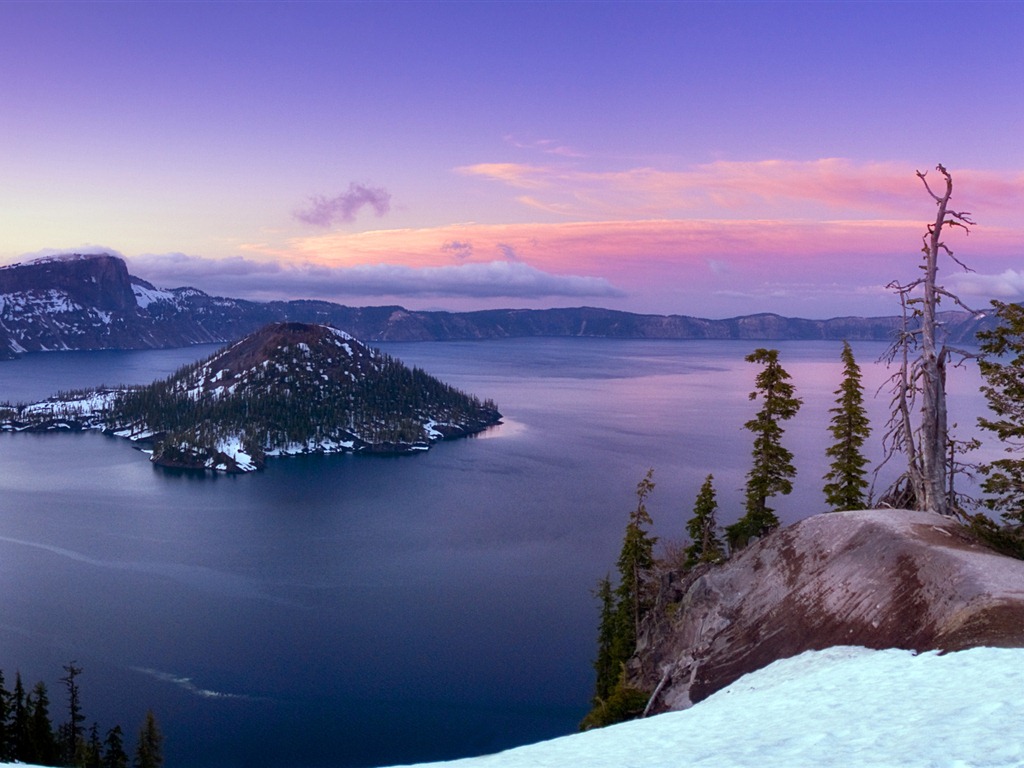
288,389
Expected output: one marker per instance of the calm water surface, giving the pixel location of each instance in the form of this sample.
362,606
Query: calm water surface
349,611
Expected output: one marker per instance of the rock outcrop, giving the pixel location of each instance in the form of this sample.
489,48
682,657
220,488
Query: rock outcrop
875,578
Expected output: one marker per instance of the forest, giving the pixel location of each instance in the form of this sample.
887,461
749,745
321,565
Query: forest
28,734
389,407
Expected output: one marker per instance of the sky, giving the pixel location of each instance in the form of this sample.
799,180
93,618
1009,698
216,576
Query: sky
838,707
709,159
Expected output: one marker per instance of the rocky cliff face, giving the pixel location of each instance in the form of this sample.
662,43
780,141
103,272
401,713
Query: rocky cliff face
878,578
92,302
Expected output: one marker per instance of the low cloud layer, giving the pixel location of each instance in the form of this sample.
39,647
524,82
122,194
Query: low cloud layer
1007,285
325,211
86,248
250,278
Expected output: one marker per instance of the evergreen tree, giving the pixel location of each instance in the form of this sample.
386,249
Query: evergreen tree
90,751
73,733
18,743
773,468
636,559
606,665
1002,367
5,716
706,547
42,744
114,755
148,753
849,428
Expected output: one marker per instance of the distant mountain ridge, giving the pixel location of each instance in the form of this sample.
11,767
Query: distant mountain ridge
90,301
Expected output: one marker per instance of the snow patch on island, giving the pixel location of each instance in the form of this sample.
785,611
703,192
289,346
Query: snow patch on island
233,449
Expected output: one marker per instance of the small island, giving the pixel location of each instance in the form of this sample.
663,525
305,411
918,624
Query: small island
287,389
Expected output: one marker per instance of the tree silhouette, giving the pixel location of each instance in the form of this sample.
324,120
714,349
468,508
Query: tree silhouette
773,470
706,547
849,428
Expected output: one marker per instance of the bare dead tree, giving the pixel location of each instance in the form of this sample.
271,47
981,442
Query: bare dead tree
900,437
926,445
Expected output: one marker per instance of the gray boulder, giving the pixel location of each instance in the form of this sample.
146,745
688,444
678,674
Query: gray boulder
874,578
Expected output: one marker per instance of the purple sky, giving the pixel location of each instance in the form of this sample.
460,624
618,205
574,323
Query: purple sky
709,159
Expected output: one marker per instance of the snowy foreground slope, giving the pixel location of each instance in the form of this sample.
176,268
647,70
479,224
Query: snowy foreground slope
842,706
839,707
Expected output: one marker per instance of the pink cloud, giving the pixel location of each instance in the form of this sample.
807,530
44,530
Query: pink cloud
774,259
764,188
816,237
602,245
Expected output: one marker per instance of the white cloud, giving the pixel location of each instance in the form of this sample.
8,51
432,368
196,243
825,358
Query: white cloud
249,278
86,248
1009,284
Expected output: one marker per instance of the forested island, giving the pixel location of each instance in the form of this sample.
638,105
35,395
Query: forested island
289,388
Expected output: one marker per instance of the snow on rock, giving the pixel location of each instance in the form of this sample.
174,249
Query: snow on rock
873,578
840,707
233,449
146,295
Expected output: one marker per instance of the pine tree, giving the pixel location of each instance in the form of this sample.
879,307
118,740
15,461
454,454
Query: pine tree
90,751
773,467
1002,367
849,428
114,755
18,743
148,753
5,715
606,665
636,560
73,733
706,547
42,744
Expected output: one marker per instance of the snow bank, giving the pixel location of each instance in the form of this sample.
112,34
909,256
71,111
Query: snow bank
839,707
842,706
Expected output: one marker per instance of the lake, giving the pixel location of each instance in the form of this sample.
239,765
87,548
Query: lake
356,611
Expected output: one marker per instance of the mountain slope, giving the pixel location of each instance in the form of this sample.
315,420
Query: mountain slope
92,302
289,388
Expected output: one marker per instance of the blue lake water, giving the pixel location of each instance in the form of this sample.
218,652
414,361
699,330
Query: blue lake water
351,611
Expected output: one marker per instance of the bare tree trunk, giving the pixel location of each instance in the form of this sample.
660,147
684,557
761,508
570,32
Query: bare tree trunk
934,432
926,447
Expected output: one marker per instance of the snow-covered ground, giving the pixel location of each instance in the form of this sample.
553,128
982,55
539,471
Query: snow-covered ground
838,707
